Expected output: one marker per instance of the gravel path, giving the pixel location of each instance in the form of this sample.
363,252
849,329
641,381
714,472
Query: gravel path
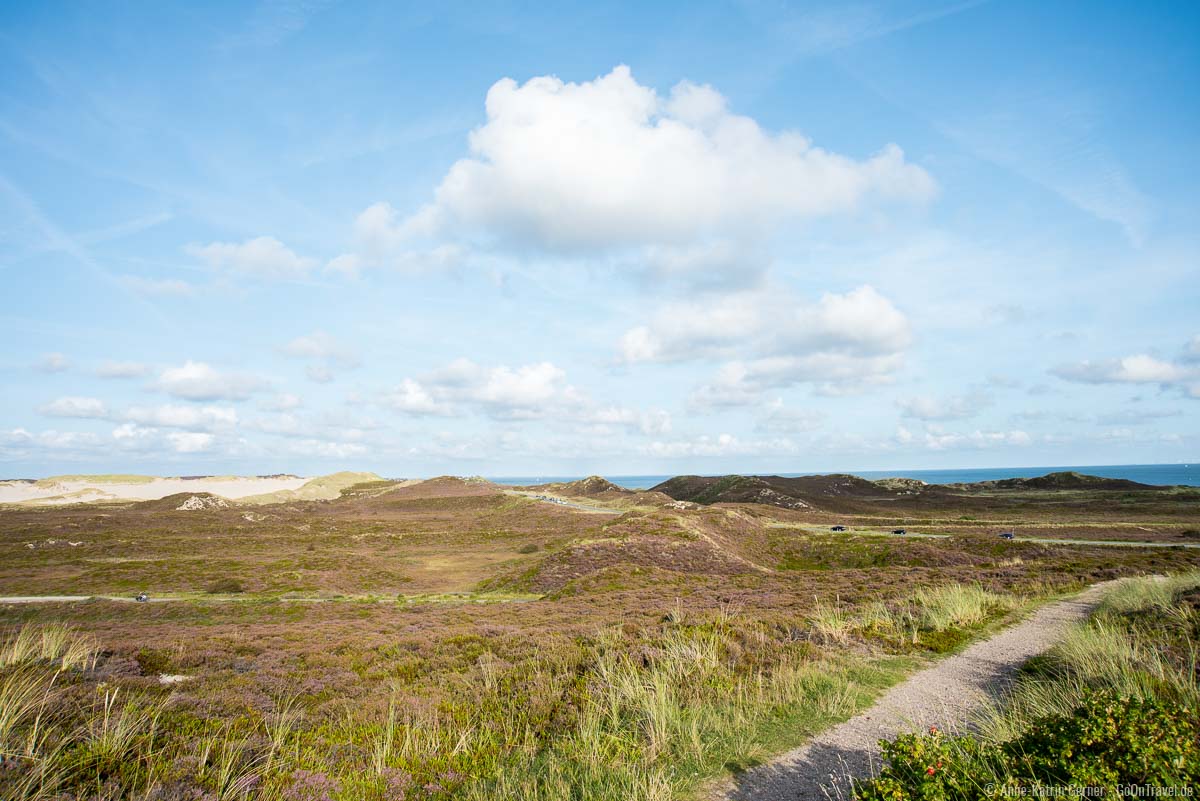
943,695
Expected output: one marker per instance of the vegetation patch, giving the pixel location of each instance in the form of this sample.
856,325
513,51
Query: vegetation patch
1115,705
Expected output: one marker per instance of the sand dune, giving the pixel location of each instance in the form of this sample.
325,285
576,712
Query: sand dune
79,489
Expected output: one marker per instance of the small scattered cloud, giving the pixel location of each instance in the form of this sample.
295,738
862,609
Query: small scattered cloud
1191,351
1003,381
768,339
191,417
325,355
781,419
263,257
272,22
197,381
1138,369
331,450
283,402
1182,375
195,418
724,444
52,363
382,240
936,439
190,441
955,407
530,391
1134,417
21,439
119,370
1007,313
157,286
538,391
77,407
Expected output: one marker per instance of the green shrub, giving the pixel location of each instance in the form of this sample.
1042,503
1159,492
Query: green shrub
225,585
530,547
1112,740
927,767
1108,741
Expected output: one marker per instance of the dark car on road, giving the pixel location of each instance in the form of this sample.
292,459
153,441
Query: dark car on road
838,528
899,532
1008,535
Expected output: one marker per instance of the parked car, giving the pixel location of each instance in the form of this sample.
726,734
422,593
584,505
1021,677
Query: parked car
899,532
141,597
1008,535
838,528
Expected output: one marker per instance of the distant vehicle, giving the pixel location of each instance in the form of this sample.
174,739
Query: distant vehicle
899,532
1008,535
838,528
141,597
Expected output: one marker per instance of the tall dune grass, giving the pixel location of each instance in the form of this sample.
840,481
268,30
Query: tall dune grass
957,605
1108,652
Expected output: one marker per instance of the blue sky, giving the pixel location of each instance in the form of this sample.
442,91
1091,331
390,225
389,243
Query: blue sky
511,239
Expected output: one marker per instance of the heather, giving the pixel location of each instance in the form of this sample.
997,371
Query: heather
408,643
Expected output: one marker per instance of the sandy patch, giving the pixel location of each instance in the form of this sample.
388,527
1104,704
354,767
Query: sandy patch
78,489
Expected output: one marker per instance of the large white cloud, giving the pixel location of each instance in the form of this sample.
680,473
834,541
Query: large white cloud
609,163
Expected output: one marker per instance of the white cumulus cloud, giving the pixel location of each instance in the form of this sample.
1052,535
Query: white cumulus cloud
608,164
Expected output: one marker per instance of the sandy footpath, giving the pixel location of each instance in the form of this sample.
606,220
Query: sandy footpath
944,695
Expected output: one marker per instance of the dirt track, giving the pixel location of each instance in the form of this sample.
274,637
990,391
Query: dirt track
943,695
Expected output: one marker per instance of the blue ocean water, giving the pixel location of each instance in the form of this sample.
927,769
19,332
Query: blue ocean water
1163,474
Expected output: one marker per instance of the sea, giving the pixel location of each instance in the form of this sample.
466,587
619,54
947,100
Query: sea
1161,474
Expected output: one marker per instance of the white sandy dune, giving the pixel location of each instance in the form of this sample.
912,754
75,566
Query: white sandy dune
83,489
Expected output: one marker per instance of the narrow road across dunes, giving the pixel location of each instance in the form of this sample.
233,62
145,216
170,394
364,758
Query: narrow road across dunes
448,598
557,501
944,695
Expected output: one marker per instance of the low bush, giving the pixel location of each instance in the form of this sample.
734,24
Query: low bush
1108,742
225,585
